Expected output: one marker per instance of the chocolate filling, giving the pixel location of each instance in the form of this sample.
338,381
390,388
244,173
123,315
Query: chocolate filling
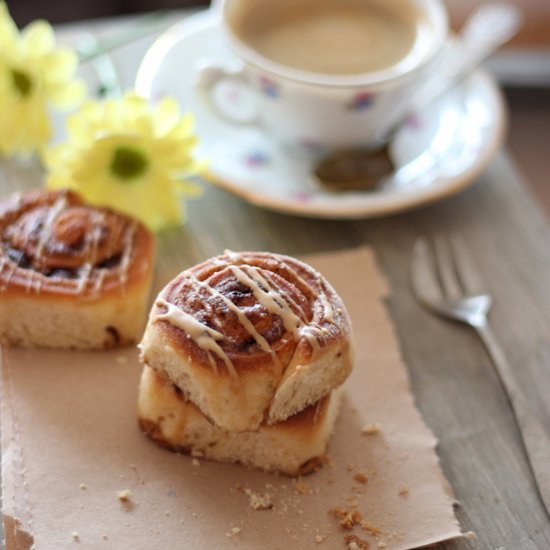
20,259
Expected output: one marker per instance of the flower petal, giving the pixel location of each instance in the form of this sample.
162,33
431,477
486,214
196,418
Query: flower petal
38,37
8,28
68,95
59,65
98,134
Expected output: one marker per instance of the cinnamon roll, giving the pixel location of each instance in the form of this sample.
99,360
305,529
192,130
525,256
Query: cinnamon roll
71,275
250,338
295,446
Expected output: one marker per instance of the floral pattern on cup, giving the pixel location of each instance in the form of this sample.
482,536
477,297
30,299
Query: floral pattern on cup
312,146
256,159
414,122
158,96
361,101
269,87
302,197
232,93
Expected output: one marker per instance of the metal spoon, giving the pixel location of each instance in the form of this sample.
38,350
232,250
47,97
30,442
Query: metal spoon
489,26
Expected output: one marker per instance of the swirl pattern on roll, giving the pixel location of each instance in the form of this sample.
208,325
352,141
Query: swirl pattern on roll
246,310
53,243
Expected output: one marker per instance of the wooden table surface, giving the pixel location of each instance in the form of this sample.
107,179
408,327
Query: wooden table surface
456,390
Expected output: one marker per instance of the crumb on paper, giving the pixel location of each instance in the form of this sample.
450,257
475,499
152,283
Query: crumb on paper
372,428
82,486
352,502
355,543
121,359
234,531
350,467
75,535
368,526
258,501
320,538
196,462
105,537
347,518
360,477
124,495
196,453
403,490
381,544
301,488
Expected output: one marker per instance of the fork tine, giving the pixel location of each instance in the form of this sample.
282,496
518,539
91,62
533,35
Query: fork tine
446,267
424,281
467,273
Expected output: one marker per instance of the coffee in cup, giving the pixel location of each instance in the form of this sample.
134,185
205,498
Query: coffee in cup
334,37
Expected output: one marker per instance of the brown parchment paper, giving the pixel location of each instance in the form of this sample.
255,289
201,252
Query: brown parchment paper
70,443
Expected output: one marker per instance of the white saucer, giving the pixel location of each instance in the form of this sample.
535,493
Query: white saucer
440,153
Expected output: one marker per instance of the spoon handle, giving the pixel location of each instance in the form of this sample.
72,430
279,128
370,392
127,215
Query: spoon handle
489,26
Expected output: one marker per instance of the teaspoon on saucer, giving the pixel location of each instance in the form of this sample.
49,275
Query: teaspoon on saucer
489,26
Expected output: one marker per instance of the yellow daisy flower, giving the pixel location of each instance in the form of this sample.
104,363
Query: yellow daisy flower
130,156
34,75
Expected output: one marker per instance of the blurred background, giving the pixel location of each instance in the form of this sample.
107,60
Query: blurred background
535,32
523,67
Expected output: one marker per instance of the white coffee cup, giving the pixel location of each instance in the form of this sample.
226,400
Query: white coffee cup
315,110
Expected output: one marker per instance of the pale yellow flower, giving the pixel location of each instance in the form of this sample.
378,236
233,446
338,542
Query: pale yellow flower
130,156
34,76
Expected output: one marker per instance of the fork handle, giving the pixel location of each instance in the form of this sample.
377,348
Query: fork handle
535,438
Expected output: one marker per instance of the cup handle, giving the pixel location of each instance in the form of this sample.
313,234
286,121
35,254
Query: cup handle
209,76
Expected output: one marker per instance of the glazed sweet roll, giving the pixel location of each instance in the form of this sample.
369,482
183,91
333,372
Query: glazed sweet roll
71,275
249,338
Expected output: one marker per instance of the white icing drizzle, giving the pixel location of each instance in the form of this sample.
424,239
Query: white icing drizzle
54,211
272,301
84,277
5,262
328,310
127,252
205,337
92,240
232,257
100,277
312,333
243,319
34,282
30,283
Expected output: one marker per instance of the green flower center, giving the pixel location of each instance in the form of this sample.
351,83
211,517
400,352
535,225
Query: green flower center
22,82
128,163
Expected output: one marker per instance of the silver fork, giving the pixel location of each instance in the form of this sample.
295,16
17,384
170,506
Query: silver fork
445,282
